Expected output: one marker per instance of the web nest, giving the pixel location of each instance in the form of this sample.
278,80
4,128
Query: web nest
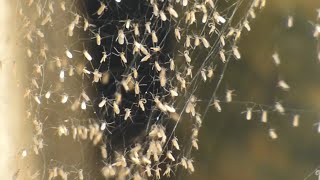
125,76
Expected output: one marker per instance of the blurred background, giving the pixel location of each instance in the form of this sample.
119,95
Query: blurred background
232,147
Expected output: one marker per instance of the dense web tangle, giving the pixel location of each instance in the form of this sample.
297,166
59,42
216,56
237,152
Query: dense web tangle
124,75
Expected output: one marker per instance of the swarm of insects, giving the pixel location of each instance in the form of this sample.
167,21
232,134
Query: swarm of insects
123,77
